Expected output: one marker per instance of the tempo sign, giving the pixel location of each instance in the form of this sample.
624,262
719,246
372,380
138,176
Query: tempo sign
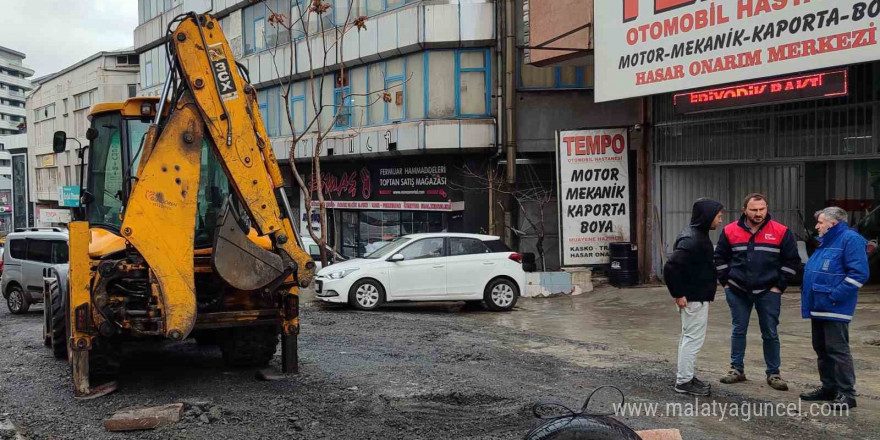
593,175
646,47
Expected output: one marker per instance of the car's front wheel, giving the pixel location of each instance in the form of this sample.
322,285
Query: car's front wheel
17,302
501,295
366,295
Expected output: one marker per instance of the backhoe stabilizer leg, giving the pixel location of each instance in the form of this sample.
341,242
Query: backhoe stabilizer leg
290,333
79,369
289,354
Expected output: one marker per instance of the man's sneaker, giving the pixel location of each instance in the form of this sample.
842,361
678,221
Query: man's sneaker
734,376
842,402
819,394
777,383
692,389
700,383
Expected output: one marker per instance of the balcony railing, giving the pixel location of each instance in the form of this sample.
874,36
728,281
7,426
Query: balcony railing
12,110
15,81
16,66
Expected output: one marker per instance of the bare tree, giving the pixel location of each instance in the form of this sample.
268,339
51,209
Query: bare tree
309,17
530,191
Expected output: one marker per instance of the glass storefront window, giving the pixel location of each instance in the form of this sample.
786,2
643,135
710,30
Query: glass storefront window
364,232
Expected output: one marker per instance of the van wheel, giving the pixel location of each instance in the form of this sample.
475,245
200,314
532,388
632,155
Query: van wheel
17,302
500,295
366,295
58,330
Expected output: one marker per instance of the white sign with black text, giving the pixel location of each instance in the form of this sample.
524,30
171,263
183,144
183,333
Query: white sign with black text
593,194
646,47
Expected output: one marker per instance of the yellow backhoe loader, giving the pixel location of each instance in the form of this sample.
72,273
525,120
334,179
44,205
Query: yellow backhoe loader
184,228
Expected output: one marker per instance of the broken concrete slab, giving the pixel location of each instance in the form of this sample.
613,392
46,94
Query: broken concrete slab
660,434
9,430
144,418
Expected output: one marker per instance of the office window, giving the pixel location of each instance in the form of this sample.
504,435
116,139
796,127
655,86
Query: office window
132,92
263,104
45,112
148,74
84,99
415,86
260,31
472,87
299,15
563,77
440,84
342,99
298,107
274,112
395,71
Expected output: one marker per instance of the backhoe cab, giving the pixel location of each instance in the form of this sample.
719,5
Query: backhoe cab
183,228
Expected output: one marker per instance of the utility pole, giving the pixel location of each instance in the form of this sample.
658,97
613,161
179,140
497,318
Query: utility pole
509,100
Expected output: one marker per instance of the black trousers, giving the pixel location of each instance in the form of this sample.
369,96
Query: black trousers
831,343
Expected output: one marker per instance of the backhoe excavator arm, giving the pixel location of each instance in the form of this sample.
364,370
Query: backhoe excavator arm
215,103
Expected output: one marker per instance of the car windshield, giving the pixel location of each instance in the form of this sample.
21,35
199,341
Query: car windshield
387,249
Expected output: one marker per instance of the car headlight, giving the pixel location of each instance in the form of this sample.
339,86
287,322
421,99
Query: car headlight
338,274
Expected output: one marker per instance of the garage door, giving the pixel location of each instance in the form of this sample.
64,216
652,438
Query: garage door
681,186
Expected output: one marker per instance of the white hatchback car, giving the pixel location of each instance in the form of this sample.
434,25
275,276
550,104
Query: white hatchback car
428,267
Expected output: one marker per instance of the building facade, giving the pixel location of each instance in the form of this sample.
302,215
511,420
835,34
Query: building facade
13,189
728,116
14,85
405,106
61,102
555,92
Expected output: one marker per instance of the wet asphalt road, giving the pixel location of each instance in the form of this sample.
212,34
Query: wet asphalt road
404,372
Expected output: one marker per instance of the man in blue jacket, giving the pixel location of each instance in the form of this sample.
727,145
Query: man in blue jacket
832,279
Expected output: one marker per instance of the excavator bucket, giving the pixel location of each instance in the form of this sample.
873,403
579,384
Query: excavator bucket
238,260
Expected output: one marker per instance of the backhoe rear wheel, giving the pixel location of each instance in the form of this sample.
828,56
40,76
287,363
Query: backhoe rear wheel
57,324
249,346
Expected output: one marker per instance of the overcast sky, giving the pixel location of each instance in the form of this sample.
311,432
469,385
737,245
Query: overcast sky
55,34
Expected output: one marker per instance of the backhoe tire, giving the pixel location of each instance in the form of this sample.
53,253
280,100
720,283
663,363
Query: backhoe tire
249,346
57,329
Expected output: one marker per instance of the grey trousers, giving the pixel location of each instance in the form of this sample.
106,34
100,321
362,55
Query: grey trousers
831,343
694,319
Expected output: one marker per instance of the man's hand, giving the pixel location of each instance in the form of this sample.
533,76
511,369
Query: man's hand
681,302
775,290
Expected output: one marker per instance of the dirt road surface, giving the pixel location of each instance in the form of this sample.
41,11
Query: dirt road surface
428,371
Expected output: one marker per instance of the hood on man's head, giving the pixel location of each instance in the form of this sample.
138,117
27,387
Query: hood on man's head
704,213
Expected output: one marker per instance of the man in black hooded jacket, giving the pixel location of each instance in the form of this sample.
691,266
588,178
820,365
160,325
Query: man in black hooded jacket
691,279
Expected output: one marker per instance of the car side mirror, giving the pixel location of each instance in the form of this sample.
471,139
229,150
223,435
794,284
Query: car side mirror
396,257
59,142
91,133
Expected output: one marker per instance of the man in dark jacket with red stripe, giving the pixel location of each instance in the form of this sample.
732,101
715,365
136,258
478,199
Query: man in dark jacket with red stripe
755,259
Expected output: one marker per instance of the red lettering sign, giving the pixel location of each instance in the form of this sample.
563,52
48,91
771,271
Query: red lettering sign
785,89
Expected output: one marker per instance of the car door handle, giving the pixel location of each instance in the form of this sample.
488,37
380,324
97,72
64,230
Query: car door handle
440,266
488,263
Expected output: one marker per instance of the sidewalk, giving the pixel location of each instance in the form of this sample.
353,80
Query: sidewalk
644,323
